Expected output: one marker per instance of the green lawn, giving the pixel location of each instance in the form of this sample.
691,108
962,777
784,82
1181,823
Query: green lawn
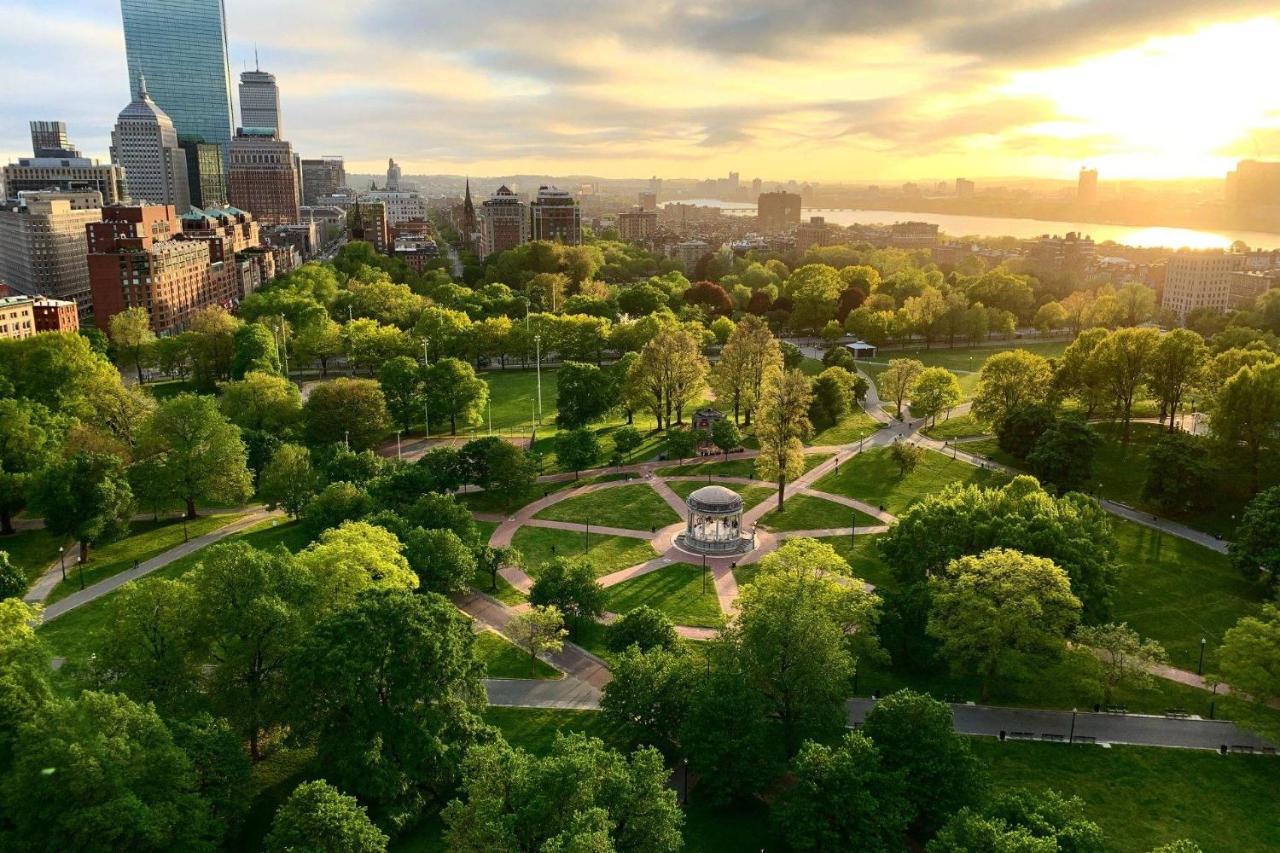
804,512
965,361
858,424
873,477
862,555
502,659
146,539
506,593
676,590
33,551
539,545
1177,592
751,495
485,530
733,467
961,426
1144,797
636,507
534,729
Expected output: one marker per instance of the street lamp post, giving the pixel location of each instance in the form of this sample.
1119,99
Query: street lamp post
426,419
184,528
1071,738
537,342
853,527
426,356
62,561
1200,665
704,574
398,455
587,546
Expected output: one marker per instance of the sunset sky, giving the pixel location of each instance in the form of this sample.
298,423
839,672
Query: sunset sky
828,91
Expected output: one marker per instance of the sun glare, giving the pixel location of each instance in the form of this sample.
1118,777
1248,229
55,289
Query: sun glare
1172,106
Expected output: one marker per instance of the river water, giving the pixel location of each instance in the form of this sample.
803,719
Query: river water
997,226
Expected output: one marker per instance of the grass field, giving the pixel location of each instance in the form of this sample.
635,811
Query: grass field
965,362
676,590
540,545
1176,592
804,512
33,551
751,495
1145,797
858,424
502,659
961,426
636,507
732,468
873,477
146,539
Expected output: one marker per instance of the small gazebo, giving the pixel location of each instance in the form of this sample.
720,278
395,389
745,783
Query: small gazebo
715,523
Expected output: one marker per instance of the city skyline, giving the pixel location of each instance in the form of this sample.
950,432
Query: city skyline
807,91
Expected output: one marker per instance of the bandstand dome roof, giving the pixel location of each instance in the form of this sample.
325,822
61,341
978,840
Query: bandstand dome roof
715,499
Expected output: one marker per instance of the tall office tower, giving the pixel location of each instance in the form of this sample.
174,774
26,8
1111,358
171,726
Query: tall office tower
43,245
647,201
964,188
260,102
1087,186
49,139
504,222
135,261
180,46
756,186
263,179
778,211
321,177
205,179
556,217
393,175
145,144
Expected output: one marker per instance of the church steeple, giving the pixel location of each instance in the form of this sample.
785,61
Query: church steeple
469,210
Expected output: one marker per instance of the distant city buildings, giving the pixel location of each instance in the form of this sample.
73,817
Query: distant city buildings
648,200
555,216
1200,279
263,179
145,144
1073,254
1087,186
913,235
638,226
368,221
504,222
321,177
964,188
778,211
401,206
137,261
62,168
17,317
43,246
393,175
181,49
689,253
1254,184
816,232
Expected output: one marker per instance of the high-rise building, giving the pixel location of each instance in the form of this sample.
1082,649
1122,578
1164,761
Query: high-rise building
638,225
964,188
368,222
401,206
136,261
262,178
49,139
321,177
260,102
180,46
1087,186
145,144
235,240
206,181
1254,183
815,232
647,200
393,175
1199,280
43,244
778,211
555,217
504,222
757,186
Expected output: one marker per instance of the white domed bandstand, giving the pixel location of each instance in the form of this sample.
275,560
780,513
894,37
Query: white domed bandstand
715,524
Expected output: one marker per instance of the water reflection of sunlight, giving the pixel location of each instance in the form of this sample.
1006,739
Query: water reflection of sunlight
1176,237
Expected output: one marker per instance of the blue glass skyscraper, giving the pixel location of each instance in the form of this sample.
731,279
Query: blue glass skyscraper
180,46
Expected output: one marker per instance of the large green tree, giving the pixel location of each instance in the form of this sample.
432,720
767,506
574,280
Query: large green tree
350,411
101,772
254,349
351,558
146,645
935,390
1124,360
999,604
391,692
289,480
782,424
916,738
401,381
1008,380
1022,821
577,449
1249,660
318,817
579,797
85,496
132,339
1174,369
199,452
649,695
262,401
455,392
584,394
842,798
1256,549
1246,415
897,381
29,435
